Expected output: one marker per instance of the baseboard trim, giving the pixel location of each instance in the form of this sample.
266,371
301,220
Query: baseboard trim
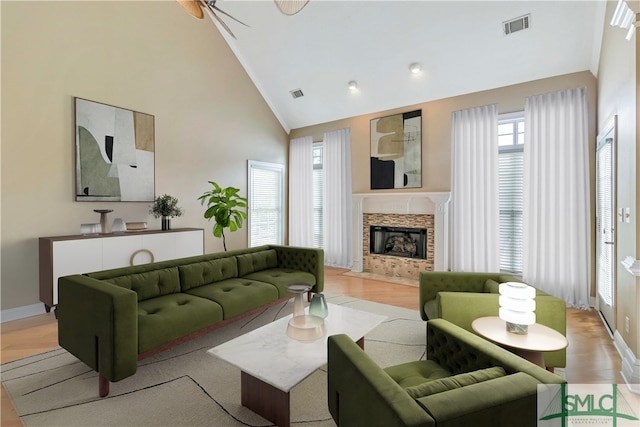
630,363
21,312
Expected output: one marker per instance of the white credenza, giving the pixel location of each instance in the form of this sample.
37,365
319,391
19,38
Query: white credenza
66,255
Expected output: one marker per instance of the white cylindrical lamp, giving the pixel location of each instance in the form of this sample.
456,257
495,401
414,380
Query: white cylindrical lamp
517,306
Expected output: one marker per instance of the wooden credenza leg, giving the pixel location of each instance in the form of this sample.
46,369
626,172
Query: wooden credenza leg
103,385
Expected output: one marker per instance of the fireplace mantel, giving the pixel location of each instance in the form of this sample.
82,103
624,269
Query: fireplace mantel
402,204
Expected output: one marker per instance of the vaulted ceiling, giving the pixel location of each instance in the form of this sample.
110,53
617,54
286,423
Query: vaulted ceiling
461,46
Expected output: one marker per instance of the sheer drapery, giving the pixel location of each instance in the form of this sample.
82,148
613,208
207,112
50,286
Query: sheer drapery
474,188
557,223
338,239
301,192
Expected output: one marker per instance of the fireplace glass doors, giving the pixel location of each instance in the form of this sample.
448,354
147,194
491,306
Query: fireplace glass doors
398,241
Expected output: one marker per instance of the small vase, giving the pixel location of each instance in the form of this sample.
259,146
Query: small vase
166,223
318,306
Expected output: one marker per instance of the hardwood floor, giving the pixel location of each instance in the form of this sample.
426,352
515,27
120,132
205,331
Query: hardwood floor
591,355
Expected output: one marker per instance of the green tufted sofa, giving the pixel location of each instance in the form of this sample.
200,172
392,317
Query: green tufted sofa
463,297
465,381
111,319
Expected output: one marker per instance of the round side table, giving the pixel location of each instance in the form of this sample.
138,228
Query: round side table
530,346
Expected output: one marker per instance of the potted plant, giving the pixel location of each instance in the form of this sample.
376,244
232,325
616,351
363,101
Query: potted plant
224,205
165,206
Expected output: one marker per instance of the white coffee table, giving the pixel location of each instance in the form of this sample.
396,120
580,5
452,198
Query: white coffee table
272,363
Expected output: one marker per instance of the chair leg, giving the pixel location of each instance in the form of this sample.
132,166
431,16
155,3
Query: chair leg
103,385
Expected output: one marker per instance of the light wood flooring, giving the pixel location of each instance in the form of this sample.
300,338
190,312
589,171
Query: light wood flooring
591,355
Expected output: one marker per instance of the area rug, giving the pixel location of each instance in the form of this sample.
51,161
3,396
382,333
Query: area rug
184,386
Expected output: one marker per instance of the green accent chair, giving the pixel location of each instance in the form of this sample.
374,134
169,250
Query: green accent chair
461,298
465,381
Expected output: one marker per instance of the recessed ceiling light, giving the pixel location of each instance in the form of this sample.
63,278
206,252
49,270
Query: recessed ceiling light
353,85
415,67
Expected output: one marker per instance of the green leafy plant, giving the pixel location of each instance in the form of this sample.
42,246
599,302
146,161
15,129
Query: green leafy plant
225,206
165,205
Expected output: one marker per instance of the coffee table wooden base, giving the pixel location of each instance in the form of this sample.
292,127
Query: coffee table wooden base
265,400
268,401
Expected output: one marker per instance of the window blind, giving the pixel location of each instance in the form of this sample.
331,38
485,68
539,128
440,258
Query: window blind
318,196
266,203
511,185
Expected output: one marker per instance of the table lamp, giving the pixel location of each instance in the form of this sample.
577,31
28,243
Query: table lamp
517,306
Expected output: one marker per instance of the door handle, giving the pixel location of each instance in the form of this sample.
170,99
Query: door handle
608,243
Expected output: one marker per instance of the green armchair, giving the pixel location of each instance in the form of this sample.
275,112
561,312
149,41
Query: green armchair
465,381
461,298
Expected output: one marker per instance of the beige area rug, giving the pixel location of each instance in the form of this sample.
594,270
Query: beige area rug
184,386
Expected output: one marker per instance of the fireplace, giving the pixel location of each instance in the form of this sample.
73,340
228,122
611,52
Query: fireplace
398,241
406,211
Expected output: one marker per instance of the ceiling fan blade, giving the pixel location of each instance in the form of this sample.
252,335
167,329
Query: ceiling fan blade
225,26
290,7
225,13
192,7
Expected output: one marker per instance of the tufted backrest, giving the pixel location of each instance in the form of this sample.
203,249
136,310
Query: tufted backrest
150,284
206,272
458,350
303,260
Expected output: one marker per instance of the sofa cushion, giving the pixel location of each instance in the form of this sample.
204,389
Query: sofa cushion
169,317
414,373
150,284
455,381
237,296
256,261
206,272
281,277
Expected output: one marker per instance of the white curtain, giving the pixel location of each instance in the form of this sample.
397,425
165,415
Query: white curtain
557,224
301,192
474,188
338,238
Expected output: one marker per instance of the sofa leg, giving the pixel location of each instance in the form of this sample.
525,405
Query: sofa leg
103,385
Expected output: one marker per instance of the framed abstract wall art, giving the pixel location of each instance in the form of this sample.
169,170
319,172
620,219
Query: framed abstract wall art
115,153
396,151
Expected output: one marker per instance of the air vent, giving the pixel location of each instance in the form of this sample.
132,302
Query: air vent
297,93
517,24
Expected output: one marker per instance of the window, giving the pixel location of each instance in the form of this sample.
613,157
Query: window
511,186
318,196
266,203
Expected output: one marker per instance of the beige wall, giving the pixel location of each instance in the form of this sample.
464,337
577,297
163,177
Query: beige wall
436,126
618,92
146,56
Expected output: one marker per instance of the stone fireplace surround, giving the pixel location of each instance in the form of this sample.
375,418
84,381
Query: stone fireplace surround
397,207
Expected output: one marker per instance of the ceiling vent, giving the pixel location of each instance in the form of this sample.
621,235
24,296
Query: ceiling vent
297,93
517,24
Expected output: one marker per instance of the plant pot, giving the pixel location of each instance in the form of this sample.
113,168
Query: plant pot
166,223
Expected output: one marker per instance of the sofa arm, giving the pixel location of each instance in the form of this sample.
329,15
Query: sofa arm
361,393
432,282
310,260
462,308
98,323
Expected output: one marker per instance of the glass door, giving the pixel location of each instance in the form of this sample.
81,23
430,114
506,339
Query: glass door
605,226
